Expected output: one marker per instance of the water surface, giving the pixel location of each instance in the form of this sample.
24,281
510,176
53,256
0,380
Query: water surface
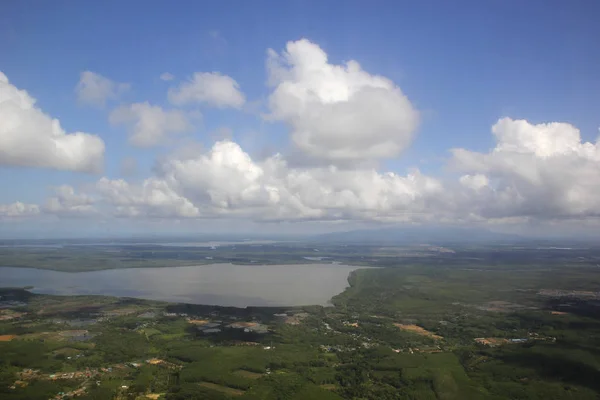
215,284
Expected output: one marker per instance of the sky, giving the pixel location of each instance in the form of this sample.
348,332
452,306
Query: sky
298,117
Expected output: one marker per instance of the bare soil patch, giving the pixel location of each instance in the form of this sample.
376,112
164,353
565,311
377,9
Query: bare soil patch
244,324
7,315
418,330
500,306
492,342
198,321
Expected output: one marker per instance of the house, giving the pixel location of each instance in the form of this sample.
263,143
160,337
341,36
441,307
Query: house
517,340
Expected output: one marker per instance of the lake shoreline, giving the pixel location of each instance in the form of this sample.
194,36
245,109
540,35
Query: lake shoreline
219,284
195,264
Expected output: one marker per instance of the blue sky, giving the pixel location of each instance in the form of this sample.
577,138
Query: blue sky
463,65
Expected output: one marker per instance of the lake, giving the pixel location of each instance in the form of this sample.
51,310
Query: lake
214,284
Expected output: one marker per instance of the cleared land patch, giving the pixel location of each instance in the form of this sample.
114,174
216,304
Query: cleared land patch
328,386
491,341
247,374
243,324
198,321
222,389
67,351
418,330
7,338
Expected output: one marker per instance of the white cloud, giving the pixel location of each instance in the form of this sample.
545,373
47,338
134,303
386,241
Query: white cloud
515,183
66,202
226,182
338,112
150,125
166,76
31,138
95,89
151,199
474,182
543,140
540,171
212,88
18,210
225,177
341,116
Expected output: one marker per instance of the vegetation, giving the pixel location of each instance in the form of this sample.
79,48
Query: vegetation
423,328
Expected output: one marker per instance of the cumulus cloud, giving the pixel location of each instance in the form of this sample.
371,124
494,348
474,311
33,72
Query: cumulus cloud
338,112
226,182
475,182
339,115
151,199
66,202
150,125
18,210
535,170
225,177
166,76
211,88
31,138
95,90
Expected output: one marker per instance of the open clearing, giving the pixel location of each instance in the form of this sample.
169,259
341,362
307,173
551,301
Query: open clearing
67,351
7,338
59,336
328,386
72,333
198,321
7,315
418,330
77,304
247,374
244,324
222,389
491,341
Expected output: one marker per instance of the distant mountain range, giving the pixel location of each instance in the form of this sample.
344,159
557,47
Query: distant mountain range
419,234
